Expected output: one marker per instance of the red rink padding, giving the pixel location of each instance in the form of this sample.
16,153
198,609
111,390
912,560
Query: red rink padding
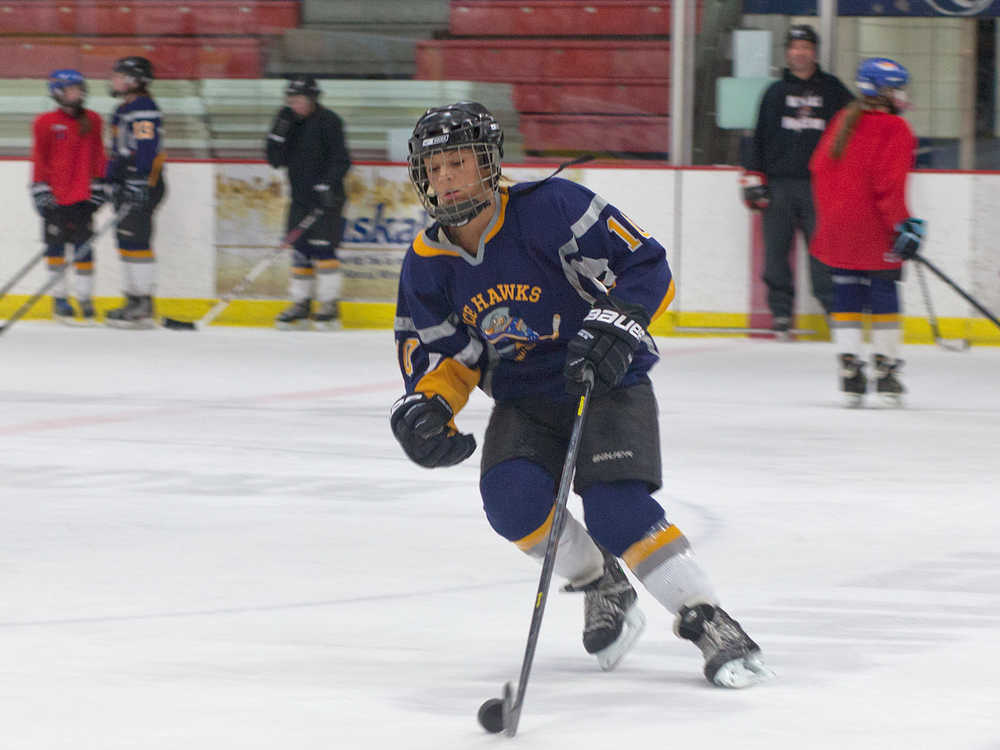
621,97
522,60
148,17
559,18
596,133
173,57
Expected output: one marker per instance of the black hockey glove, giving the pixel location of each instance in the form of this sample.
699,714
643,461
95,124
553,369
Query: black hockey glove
282,124
41,194
756,193
909,237
324,196
133,192
609,336
420,424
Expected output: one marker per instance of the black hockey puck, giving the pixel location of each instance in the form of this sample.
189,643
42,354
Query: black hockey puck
491,715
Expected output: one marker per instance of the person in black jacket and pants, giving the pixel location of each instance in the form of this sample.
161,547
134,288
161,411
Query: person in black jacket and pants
794,112
308,139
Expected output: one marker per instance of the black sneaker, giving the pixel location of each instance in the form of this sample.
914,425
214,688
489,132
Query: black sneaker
611,620
732,659
853,383
295,316
887,385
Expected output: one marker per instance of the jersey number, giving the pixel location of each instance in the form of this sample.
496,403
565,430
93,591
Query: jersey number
627,237
143,130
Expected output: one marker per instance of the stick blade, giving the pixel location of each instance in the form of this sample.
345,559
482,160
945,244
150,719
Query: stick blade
510,714
178,325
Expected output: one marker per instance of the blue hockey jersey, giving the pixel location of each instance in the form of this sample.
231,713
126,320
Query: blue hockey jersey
136,142
501,319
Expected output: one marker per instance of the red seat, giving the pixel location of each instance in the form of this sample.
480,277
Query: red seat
620,96
596,133
149,17
559,17
541,60
173,57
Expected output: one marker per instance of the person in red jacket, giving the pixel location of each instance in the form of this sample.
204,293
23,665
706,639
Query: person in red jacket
865,229
68,187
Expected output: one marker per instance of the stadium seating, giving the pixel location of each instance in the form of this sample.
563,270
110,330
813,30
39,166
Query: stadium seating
588,75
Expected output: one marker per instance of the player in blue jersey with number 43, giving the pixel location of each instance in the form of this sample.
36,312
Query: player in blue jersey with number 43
518,289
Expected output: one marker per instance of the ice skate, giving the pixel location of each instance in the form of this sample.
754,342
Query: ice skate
83,320
135,314
62,310
327,316
890,390
613,621
732,659
782,328
853,382
295,317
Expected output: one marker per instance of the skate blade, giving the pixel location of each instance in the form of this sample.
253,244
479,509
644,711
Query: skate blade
327,325
891,400
635,622
853,400
298,325
130,325
77,322
746,671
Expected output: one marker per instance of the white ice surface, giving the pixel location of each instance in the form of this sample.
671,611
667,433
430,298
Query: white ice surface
210,540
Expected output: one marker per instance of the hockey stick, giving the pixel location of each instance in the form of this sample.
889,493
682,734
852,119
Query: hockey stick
25,269
56,277
963,344
509,707
961,292
262,265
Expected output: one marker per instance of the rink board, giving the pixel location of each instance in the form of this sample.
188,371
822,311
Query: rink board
220,217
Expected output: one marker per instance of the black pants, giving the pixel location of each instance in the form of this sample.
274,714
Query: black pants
791,208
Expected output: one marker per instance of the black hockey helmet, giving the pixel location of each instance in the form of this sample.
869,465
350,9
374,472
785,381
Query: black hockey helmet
461,125
303,86
139,69
801,32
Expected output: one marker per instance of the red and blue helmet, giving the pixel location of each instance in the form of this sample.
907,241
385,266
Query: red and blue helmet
879,73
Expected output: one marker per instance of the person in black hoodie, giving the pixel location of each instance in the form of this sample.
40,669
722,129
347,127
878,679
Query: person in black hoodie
794,112
308,139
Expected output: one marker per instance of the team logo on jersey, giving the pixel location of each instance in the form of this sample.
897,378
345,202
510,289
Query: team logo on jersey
511,336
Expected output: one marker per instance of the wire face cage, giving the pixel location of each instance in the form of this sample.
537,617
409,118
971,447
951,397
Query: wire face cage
455,183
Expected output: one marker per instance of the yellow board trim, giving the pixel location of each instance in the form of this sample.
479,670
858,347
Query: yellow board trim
642,549
535,538
382,316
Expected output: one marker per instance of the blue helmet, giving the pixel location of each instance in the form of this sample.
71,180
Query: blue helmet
878,73
60,79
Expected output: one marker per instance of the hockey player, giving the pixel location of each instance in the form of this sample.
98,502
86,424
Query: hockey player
794,111
68,187
552,259
135,173
865,228
309,139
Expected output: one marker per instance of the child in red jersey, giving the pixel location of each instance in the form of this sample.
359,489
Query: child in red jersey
67,186
865,229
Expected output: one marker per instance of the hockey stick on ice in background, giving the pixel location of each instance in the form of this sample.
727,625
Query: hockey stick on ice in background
961,292
509,707
962,344
56,277
25,269
262,265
